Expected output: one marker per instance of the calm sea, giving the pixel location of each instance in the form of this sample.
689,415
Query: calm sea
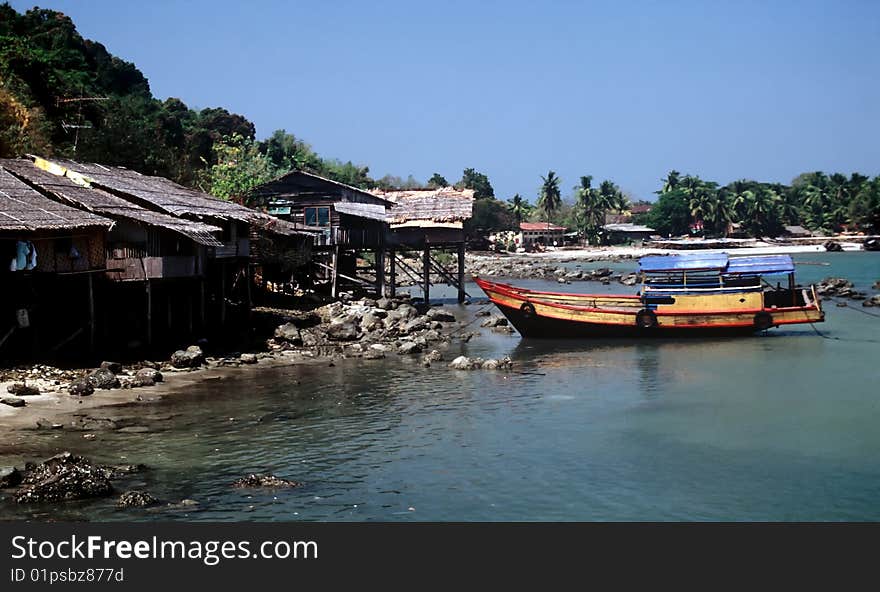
782,426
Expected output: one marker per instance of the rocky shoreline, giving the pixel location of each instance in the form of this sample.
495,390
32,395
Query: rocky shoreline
528,267
46,397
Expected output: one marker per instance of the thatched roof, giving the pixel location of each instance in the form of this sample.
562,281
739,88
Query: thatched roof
157,192
23,208
63,189
446,204
362,210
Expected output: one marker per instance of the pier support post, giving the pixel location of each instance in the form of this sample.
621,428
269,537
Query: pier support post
461,292
426,270
149,313
91,314
393,272
380,271
334,286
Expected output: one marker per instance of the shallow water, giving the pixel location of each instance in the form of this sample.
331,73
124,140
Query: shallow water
781,426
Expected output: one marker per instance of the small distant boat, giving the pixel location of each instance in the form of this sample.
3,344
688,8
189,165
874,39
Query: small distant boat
681,295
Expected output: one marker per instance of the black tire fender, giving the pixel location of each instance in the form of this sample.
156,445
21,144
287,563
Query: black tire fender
763,321
646,319
528,309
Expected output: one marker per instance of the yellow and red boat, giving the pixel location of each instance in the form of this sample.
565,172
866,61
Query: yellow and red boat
681,295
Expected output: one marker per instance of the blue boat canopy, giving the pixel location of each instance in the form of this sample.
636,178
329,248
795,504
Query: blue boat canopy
767,264
720,262
688,262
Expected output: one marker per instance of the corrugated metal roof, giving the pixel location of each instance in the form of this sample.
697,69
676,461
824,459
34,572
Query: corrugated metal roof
24,208
688,262
363,210
757,265
749,265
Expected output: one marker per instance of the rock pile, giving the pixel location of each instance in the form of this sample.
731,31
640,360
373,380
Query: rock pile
466,363
269,481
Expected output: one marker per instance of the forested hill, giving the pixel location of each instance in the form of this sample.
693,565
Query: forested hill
51,79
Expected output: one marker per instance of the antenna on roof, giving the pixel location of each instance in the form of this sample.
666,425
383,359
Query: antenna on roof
79,123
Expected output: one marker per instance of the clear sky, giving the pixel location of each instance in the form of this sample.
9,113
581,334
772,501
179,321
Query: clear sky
624,90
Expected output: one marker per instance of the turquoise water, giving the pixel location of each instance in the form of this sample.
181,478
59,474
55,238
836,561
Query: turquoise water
782,426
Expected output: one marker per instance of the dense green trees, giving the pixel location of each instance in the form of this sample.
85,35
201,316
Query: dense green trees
820,202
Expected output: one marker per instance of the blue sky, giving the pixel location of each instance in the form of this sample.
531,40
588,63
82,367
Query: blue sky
620,90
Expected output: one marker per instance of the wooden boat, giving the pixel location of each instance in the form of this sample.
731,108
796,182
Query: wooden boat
681,295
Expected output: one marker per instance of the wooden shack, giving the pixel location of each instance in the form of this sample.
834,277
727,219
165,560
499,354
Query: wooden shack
152,258
49,255
430,221
350,223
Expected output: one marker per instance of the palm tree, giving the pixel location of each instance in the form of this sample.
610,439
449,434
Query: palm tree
550,200
518,207
763,211
671,182
586,207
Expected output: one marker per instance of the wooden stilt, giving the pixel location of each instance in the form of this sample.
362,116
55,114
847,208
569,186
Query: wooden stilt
334,286
189,311
149,314
91,314
170,319
461,292
426,269
393,272
380,271
249,278
223,294
202,304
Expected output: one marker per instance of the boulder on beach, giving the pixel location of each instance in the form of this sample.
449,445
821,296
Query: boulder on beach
81,387
261,480
103,378
438,314
832,246
191,357
290,333
346,330
146,377
494,322
409,347
13,401
248,358
114,367
20,389
61,478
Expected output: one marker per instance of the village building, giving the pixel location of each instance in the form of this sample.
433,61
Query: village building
430,221
350,223
627,233
540,233
177,262
50,254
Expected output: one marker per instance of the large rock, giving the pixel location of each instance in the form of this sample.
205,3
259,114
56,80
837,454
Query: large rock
371,321
260,480
413,325
630,279
832,246
114,367
20,389
136,499
385,303
290,333
9,477
409,347
191,357
494,322
61,478
438,314
146,377
81,387
248,358
463,363
102,378
407,311
13,401
346,330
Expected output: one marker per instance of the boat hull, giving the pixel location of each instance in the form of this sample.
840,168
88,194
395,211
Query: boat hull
552,315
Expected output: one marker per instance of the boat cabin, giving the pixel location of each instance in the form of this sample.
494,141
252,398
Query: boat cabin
715,281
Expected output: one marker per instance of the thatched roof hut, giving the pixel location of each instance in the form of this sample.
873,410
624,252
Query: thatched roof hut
24,209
